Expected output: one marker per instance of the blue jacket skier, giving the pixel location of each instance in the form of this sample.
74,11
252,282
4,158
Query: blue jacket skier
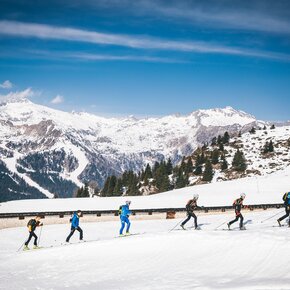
286,199
124,217
75,220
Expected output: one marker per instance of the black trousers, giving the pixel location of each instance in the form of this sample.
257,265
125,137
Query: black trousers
287,209
31,234
238,216
189,216
72,230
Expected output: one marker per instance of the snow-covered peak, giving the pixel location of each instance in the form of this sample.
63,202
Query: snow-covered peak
223,117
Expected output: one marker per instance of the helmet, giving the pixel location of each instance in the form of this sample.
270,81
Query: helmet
195,196
128,202
243,195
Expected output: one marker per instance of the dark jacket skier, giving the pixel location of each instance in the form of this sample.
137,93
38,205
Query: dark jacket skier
32,225
75,220
286,199
190,207
238,205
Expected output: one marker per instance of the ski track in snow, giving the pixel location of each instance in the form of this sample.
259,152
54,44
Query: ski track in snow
254,259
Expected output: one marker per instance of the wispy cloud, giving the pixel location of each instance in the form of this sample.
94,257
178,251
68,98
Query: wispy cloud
6,85
18,95
213,15
57,100
101,57
254,15
42,31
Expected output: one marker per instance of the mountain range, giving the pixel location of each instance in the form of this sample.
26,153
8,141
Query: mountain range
53,152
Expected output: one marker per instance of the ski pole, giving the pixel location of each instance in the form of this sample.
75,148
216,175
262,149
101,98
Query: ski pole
219,226
21,246
39,235
272,216
175,226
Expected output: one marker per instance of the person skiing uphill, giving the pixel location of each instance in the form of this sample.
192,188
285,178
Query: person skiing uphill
32,225
124,217
75,220
238,204
286,199
190,207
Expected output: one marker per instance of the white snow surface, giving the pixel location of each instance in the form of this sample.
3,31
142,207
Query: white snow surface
259,190
257,258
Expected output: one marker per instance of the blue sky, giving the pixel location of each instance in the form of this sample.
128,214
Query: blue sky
148,58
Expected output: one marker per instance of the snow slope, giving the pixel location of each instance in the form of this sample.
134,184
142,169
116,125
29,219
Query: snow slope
254,259
261,189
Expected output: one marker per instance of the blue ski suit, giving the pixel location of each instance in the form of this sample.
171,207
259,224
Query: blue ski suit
75,226
124,217
75,220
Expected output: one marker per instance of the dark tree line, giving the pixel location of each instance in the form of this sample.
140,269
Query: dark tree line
163,176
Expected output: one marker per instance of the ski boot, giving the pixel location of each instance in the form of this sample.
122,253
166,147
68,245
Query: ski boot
243,228
127,234
35,247
121,235
229,226
26,248
197,228
182,226
279,223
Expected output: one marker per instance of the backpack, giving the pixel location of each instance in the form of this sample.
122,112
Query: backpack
286,198
30,223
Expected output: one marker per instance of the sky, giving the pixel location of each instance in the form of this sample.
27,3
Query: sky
147,58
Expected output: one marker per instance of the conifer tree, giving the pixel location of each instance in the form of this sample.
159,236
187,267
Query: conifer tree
189,166
226,138
181,180
271,146
224,165
239,161
215,156
169,167
214,141
118,189
208,172
147,174
86,192
253,130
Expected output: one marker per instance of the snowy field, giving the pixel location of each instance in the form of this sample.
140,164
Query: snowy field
259,190
257,258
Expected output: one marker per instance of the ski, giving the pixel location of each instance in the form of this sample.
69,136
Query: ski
135,234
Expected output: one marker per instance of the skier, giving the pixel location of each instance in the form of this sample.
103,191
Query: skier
32,225
124,217
190,207
75,220
238,204
286,199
